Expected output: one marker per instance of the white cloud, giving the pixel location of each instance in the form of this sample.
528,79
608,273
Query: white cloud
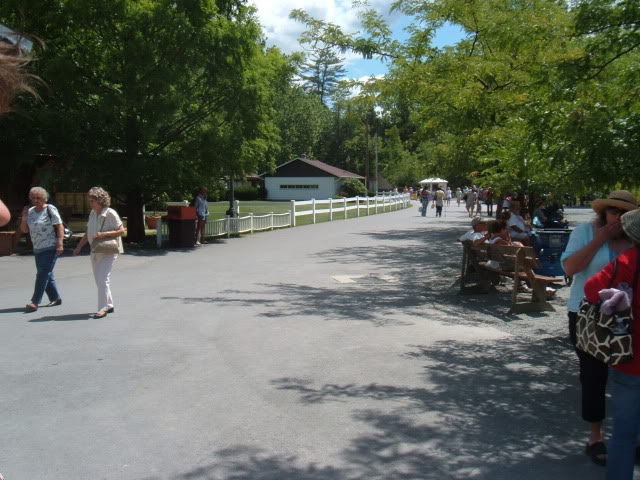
283,32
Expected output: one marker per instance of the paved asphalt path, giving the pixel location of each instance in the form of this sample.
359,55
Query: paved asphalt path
245,359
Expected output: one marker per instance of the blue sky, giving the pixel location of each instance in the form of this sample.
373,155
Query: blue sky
447,35
283,32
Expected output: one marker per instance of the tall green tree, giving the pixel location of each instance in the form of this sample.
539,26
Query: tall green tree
322,72
144,94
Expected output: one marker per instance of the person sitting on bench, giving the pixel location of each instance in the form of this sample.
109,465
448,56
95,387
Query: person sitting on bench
518,228
478,233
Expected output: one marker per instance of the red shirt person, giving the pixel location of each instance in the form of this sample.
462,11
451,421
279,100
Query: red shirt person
626,377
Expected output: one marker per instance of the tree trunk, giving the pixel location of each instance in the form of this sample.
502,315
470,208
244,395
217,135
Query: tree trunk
135,217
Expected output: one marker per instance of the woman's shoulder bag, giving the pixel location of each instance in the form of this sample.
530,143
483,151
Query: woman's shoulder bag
106,245
607,338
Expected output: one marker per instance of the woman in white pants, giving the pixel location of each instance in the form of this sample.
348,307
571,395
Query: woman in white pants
104,223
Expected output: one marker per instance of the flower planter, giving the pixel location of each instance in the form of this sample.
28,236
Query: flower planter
152,222
8,242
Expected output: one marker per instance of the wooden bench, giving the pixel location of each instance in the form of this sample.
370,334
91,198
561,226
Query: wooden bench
516,263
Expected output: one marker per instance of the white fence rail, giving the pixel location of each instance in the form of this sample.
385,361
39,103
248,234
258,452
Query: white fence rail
337,208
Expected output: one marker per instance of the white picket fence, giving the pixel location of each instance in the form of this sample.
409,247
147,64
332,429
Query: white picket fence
338,208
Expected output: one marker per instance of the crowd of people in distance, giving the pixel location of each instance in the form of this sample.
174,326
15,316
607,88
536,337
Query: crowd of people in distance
472,197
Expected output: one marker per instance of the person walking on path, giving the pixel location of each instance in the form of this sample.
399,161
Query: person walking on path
439,200
591,246
202,211
625,377
458,195
103,227
424,200
471,201
489,201
44,225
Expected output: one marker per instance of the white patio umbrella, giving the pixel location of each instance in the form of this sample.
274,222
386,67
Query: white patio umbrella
437,182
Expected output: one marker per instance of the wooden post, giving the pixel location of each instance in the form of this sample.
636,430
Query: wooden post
227,225
330,210
293,213
271,220
357,206
251,221
344,204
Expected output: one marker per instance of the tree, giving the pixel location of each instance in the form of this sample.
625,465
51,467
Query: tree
537,97
399,166
322,72
144,95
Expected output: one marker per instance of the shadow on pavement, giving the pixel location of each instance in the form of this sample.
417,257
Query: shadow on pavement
13,310
64,318
426,270
490,411
293,300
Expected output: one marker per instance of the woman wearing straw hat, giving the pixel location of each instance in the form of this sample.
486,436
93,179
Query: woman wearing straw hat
625,377
592,246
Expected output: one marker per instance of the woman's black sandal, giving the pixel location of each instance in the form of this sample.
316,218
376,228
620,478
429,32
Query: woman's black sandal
598,453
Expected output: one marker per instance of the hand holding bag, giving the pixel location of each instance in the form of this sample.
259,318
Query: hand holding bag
606,337
106,245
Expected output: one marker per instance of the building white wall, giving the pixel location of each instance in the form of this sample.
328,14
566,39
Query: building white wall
327,188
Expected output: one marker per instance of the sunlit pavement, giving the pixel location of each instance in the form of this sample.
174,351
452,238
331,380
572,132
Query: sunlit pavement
331,351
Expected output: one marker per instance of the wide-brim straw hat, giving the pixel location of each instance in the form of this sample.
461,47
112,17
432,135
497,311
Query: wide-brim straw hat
619,199
631,225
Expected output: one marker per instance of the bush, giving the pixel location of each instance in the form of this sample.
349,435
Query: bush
354,187
246,193
158,204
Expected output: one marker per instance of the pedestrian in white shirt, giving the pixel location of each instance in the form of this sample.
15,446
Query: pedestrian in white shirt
518,228
103,234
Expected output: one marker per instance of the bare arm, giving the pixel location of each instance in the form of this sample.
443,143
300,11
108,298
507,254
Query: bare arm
24,226
481,240
59,228
579,260
81,244
113,234
5,216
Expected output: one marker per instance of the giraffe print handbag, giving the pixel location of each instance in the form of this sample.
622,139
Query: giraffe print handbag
606,337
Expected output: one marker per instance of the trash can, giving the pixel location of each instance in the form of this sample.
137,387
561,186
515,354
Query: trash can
182,226
549,245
